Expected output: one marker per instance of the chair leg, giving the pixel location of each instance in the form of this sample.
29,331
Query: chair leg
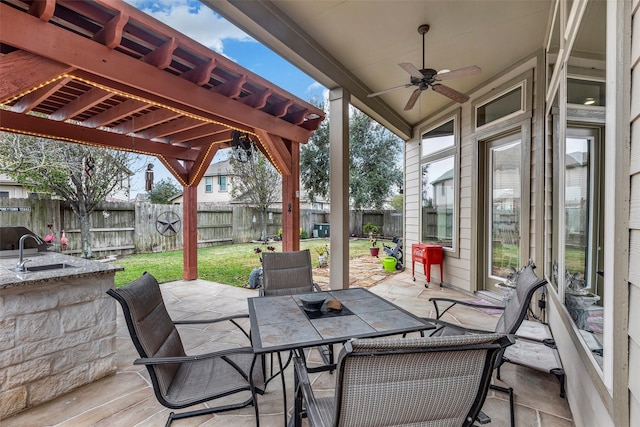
188,414
559,373
509,390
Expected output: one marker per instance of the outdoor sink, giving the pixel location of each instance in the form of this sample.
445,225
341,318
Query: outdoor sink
46,267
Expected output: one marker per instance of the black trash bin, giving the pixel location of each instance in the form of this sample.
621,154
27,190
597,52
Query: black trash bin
322,230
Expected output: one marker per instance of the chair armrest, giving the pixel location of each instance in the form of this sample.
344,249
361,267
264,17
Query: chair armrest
455,302
304,386
459,329
230,318
183,359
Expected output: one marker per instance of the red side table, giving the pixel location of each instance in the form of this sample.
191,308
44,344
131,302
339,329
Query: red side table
427,255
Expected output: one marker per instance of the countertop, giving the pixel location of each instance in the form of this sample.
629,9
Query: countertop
81,267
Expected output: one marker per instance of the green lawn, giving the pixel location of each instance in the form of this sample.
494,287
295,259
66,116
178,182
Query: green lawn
229,264
574,258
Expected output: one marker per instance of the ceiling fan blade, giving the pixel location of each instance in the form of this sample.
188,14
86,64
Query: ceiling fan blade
411,69
460,72
371,95
451,93
412,99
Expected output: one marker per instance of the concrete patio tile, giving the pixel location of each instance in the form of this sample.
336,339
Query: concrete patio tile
498,410
548,420
79,401
405,291
125,410
535,389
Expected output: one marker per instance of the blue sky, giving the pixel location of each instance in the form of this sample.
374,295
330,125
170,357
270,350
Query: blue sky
200,23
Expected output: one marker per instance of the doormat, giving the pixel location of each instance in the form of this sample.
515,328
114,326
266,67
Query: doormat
483,301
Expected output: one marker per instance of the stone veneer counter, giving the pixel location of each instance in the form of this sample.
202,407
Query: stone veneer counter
57,329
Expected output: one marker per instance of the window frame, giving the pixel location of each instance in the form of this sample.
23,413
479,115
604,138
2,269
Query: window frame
226,183
452,151
523,84
208,184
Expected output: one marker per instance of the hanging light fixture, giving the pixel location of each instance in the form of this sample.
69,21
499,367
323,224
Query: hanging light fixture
241,146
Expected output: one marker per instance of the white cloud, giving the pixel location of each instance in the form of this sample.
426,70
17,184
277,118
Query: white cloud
194,20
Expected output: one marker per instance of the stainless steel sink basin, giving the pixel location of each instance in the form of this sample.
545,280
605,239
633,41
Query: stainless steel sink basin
58,266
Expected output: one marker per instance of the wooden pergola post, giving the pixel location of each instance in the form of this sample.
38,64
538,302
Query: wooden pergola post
190,232
291,202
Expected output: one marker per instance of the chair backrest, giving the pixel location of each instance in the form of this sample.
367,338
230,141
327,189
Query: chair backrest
286,273
516,307
151,329
439,381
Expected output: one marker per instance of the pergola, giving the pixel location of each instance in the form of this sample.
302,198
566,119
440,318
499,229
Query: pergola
105,74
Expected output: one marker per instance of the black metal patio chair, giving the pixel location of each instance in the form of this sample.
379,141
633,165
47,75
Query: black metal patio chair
383,382
291,273
180,380
514,312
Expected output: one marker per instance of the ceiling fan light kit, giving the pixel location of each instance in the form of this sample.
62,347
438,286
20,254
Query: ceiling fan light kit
429,77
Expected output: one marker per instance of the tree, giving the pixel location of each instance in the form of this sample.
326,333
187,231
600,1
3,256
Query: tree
257,184
374,173
374,170
81,175
314,163
163,191
397,202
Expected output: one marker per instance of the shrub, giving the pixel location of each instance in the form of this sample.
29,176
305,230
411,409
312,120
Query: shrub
304,234
370,228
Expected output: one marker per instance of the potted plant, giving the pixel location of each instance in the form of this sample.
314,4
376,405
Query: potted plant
255,277
323,254
372,230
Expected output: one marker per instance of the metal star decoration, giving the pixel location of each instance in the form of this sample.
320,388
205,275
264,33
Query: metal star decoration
168,223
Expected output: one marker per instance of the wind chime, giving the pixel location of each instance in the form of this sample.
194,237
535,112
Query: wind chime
241,146
89,166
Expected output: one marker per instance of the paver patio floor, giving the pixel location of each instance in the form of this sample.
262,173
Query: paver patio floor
127,399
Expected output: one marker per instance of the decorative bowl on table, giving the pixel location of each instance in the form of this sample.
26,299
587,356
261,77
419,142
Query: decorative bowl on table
312,302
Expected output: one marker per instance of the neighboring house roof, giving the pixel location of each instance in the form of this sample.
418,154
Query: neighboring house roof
142,197
219,168
444,177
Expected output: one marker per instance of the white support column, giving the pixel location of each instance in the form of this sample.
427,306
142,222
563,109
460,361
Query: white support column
339,187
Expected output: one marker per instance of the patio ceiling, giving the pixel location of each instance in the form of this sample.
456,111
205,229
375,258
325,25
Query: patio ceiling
103,73
358,44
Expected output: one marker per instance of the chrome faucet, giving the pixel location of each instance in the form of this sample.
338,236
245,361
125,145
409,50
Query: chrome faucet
20,266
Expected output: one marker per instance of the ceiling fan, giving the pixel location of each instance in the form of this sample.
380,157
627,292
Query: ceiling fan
428,77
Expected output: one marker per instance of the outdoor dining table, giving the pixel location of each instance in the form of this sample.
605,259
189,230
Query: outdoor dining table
280,323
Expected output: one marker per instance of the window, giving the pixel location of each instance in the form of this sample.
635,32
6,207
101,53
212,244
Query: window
439,183
586,92
208,184
580,205
4,194
222,182
438,139
501,107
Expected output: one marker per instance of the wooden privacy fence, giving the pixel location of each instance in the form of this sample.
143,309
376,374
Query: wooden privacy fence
120,228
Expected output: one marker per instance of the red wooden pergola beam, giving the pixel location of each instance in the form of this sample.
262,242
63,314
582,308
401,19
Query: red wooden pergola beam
148,120
111,34
31,100
82,103
22,71
276,151
38,126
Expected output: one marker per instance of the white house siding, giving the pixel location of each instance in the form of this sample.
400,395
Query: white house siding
412,198
634,224
215,196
